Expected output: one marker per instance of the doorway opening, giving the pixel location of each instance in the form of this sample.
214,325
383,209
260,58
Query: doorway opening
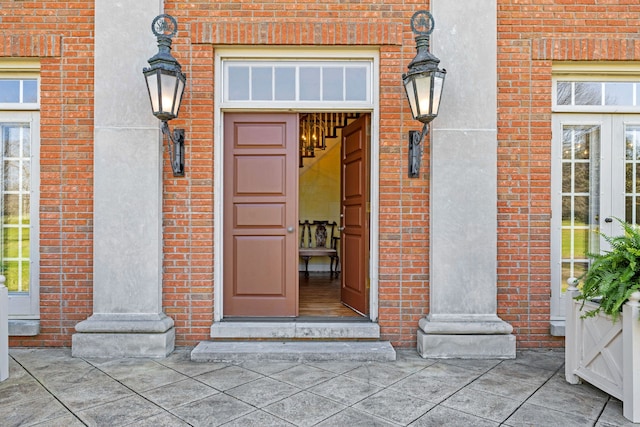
269,194
321,217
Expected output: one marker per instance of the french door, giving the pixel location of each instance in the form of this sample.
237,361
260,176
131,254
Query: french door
595,179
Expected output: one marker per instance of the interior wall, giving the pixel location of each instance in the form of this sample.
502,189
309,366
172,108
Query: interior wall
319,195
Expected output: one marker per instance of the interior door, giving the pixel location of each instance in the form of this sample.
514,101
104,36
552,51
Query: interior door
354,242
260,215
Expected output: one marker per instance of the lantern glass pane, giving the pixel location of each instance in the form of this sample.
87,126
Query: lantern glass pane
423,90
179,93
438,81
152,84
168,87
411,95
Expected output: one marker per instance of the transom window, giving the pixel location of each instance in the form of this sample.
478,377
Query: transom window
18,91
317,82
614,93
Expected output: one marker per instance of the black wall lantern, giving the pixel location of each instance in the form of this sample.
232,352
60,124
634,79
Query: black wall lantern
423,83
165,83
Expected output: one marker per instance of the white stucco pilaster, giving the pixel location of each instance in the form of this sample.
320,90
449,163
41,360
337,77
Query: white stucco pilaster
127,315
462,320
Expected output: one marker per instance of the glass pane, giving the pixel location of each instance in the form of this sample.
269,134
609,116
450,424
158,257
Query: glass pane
356,84
588,93
10,242
567,212
332,83
564,93
310,83
30,91
582,143
628,178
26,175
618,93
411,96
567,142
285,82
10,208
261,83
581,178
581,210
11,176
10,91
628,209
11,270
13,134
26,206
238,83
438,81
26,247
567,251
24,280
566,178
632,141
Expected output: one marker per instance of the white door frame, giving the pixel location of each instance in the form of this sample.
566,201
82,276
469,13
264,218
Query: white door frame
275,54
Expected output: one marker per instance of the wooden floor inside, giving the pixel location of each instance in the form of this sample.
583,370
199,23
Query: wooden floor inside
320,297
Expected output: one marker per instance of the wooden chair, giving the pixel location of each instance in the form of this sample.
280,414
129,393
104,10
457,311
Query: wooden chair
316,240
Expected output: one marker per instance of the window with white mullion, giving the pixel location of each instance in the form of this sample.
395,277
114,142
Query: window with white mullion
15,238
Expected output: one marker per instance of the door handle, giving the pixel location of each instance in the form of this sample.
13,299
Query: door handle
608,220
290,229
340,228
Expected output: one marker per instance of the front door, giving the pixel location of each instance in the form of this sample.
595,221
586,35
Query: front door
596,173
355,215
260,215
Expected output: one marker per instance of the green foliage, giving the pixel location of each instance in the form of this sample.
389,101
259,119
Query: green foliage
613,276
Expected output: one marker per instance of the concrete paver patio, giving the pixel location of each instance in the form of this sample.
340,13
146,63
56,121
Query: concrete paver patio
48,387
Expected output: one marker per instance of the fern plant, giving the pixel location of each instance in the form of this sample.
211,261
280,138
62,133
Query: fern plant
614,275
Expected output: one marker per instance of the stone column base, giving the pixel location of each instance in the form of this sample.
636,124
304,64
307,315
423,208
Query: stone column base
117,335
486,339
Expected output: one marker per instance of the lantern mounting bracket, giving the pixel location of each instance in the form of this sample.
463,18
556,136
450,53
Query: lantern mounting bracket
176,148
416,149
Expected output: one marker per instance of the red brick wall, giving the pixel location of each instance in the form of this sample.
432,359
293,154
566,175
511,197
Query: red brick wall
531,34
61,34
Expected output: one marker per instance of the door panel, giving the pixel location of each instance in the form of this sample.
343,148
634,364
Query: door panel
260,224
354,242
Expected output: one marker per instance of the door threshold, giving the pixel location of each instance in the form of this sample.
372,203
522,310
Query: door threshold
295,328
298,319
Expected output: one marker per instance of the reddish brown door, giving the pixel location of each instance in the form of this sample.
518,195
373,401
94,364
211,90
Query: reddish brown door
260,215
354,244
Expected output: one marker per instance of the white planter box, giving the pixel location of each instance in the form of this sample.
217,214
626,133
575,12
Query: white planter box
605,354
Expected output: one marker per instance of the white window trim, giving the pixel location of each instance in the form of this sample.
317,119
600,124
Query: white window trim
594,72
288,54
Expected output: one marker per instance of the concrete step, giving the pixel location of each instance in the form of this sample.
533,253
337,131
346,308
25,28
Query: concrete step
293,351
322,330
